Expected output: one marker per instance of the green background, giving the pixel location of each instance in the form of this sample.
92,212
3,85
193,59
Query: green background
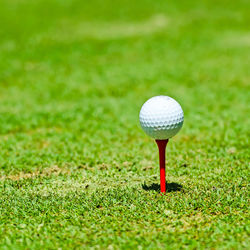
76,170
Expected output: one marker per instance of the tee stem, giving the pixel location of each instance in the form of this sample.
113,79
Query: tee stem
162,151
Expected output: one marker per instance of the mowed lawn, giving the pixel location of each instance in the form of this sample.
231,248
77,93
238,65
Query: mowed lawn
76,169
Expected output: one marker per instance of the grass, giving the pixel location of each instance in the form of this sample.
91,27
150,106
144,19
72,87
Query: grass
76,170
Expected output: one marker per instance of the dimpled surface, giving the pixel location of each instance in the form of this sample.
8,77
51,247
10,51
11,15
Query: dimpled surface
161,117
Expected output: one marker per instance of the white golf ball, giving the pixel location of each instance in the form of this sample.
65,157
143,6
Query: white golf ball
161,117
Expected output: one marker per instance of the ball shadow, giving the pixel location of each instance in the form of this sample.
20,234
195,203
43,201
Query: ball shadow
170,187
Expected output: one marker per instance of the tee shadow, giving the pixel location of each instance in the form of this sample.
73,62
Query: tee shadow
170,187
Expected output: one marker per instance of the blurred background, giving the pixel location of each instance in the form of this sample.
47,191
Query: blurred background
74,75
75,167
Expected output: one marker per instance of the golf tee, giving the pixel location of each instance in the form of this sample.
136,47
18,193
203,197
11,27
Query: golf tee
162,152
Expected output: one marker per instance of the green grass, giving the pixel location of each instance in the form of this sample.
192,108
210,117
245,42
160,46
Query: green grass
76,170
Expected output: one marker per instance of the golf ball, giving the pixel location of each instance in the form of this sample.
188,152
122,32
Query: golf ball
161,117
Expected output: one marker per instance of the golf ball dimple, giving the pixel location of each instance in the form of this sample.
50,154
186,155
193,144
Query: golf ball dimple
161,117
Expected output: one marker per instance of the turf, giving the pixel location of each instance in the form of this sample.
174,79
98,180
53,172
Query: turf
76,170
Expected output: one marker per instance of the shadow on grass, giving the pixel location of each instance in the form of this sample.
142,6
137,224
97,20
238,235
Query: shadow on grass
170,187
